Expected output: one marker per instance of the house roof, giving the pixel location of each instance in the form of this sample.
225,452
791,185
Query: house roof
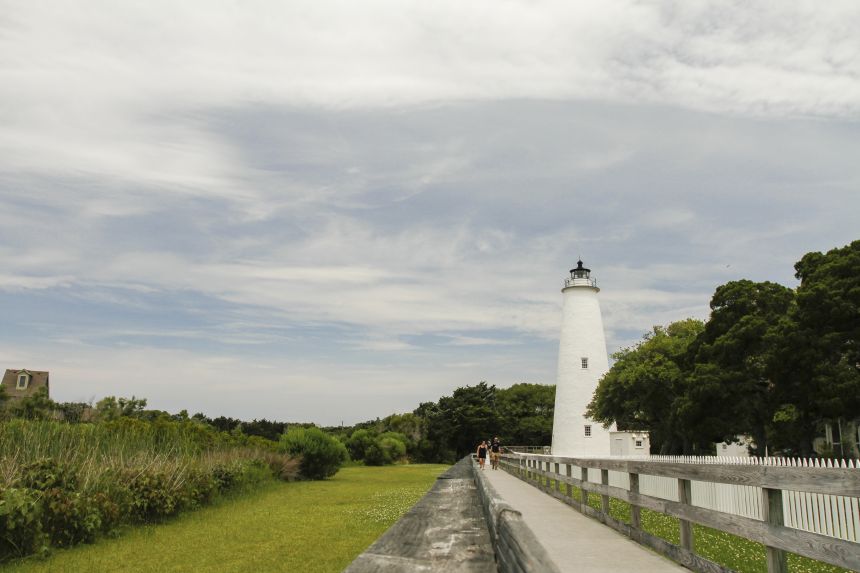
37,377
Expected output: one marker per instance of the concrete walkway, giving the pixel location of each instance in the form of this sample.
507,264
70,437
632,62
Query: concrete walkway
575,542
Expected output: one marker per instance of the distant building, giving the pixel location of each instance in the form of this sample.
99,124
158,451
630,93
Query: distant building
20,384
840,439
739,448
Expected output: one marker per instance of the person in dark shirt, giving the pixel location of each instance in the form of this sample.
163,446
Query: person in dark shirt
482,453
495,453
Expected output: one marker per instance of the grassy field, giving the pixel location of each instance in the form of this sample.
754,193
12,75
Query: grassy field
304,527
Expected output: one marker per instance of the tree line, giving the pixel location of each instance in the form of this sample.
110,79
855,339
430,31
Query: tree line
771,362
451,427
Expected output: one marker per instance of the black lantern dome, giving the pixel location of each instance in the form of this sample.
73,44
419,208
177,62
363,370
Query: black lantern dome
580,272
580,277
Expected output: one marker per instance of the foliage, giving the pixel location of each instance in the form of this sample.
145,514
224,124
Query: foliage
732,358
62,484
38,406
321,454
641,390
525,414
377,449
771,362
817,362
348,511
452,427
111,408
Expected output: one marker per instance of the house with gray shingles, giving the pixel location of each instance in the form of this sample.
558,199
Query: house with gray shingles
20,384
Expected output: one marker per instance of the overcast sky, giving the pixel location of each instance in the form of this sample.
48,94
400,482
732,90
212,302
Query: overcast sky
332,211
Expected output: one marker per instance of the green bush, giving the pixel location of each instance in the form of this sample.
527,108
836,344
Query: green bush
46,474
69,517
321,454
359,442
152,496
377,449
21,523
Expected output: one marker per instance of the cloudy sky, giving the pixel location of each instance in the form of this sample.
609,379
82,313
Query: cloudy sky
331,211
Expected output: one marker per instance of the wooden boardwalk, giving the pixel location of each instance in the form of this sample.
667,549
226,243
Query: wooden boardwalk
575,543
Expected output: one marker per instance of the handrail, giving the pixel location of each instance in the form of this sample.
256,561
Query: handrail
771,531
517,548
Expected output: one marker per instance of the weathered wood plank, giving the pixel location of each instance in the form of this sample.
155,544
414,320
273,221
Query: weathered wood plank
777,560
686,558
813,545
517,549
835,481
444,532
686,528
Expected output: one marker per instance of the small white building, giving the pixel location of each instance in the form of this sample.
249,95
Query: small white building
630,444
737,449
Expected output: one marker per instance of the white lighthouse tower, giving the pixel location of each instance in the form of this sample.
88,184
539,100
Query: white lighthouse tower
582,360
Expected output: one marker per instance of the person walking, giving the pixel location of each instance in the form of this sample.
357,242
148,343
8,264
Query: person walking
495,453
482,453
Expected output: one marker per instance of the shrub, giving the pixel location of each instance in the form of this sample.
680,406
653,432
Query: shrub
321,454
69,517
282,466
386,449
394,448
46,474
152,495
359,442
20,523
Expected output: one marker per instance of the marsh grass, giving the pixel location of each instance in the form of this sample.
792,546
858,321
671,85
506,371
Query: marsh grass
312,527
62,484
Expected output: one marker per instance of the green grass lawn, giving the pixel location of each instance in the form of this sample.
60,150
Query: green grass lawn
303,527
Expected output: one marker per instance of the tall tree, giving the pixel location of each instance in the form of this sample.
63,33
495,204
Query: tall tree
525,414
641,390
818,362
731,389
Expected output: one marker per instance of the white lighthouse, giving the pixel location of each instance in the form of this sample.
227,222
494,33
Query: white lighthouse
582,360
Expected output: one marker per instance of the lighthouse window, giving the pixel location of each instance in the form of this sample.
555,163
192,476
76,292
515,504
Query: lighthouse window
638,443
584,362
588,430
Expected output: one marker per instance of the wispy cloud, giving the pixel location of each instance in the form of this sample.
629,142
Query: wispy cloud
333,197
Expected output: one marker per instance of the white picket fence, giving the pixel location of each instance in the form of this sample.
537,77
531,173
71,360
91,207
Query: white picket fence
833,515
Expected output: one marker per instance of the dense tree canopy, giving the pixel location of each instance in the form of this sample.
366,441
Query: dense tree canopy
730,388
642,389
771,362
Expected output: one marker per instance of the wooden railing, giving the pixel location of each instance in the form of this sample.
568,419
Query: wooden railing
549,473
515,545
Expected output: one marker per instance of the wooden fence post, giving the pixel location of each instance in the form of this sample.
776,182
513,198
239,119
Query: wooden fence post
583,476
604,499
569,486
557,482
684,496
635,511
771,512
